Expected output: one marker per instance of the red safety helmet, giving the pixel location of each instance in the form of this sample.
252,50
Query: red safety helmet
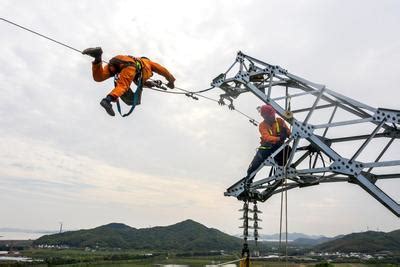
267,111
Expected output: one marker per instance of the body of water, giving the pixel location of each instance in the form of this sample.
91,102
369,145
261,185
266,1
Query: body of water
20,235
20,259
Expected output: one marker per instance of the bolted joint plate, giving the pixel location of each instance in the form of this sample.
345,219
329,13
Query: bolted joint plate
281,173
302,130
218,81
345,166
389,115
270,162
237,189
392,133
243,77
240,56
275,70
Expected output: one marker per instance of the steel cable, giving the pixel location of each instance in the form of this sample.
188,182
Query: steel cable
186,92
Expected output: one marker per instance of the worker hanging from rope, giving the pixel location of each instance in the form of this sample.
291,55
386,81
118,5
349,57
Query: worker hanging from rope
274,132
125,70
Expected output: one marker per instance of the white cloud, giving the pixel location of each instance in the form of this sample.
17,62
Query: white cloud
174,157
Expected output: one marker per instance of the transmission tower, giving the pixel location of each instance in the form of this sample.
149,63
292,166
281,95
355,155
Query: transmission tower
334,138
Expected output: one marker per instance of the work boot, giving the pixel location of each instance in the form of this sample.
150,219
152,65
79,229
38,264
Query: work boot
95,52
106,104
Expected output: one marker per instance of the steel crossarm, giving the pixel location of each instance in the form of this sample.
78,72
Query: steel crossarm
326,126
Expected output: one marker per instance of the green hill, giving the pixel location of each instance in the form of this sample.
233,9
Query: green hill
308,242
366,242
184,236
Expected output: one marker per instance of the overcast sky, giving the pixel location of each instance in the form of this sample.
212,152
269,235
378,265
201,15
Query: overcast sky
62,158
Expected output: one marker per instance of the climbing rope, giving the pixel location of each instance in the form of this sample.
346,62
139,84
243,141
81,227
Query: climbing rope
284,187
192,94
41,35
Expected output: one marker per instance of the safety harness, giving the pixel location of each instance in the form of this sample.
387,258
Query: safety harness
278,130
130,98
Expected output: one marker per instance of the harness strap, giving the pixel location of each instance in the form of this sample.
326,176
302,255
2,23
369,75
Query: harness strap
278,130
138,93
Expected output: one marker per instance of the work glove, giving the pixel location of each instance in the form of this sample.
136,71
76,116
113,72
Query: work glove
171,85
158,83
155,83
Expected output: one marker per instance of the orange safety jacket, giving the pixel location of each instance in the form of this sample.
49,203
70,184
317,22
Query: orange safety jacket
271,133
128,73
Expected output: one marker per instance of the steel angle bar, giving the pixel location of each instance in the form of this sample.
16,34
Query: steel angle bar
262,182
359,113
301,159
315,170
356,138
304,81
342,123
224,83
283,146
252,59
382,152
267,162
265,183
292,84
381,164
241,63
294,149
387,176
318,156
229,69
330,120
323,147
287,99
262,187
333,175
245,67
317,107
228,80
321,91
296,95
267,192
270,86
265,99
378,194
366,142
333,180
274,83
287,188
350,101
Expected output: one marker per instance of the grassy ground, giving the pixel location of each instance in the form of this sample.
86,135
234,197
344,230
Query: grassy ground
136,258
192,262
195,263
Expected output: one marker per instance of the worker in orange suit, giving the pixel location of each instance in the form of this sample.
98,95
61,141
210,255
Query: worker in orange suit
125,70
274,132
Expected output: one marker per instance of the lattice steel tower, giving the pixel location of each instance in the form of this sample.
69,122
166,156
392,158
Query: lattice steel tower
326,126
